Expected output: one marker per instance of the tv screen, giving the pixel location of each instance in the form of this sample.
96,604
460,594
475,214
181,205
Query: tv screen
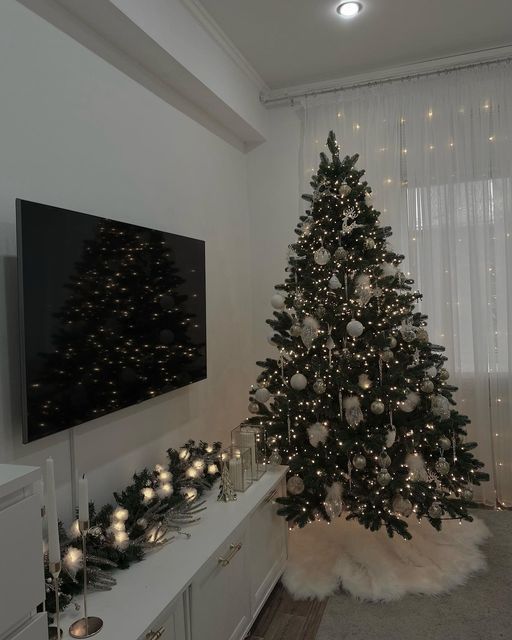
112,314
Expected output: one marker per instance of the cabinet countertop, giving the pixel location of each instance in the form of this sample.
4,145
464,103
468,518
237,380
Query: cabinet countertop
147,589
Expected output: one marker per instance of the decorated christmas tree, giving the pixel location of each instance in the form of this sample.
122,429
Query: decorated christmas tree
356,401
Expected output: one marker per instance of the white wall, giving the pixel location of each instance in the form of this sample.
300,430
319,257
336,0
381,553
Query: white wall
77,133
275,205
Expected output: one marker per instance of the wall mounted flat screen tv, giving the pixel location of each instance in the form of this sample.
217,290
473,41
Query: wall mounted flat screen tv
112,314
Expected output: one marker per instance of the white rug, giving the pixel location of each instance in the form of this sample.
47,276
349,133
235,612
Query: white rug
372,566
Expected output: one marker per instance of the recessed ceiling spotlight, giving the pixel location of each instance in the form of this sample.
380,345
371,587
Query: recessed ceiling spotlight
349,9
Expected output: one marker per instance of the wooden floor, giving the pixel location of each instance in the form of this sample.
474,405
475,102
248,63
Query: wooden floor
283,618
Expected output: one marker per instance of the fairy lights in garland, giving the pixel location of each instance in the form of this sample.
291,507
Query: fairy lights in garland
147,514
358,387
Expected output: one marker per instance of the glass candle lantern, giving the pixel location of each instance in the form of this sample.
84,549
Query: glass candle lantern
239,462
254,439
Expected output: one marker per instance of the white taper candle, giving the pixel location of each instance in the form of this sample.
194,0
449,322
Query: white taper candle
83,499
51,514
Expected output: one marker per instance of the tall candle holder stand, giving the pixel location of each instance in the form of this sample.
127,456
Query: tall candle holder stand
88,625
55,632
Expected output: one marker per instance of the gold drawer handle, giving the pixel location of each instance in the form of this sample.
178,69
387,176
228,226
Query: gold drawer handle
234,549
154,635
270,497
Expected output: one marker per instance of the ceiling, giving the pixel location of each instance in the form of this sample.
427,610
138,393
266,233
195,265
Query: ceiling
291,42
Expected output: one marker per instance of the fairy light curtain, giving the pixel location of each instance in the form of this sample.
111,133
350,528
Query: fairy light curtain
438,152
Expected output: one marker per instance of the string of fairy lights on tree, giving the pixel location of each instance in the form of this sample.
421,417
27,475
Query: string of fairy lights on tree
356,401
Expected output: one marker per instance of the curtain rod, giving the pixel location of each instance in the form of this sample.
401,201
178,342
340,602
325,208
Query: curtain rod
291,97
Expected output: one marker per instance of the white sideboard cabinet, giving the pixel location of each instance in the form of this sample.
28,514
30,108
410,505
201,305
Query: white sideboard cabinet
21,554
210,587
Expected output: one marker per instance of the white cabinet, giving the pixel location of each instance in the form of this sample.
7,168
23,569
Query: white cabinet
172,625
220,602
21,555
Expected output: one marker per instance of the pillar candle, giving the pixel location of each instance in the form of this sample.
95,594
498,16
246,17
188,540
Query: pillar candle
51,514
248,440
235,471
83,499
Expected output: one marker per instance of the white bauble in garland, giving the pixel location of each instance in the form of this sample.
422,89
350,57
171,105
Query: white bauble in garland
355,328
262,395
359,462
298,382
377,407
295,485
277,301
321,256
402,505
334,282
442,466
317,433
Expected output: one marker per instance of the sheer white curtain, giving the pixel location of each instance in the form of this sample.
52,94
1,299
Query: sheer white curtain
438,154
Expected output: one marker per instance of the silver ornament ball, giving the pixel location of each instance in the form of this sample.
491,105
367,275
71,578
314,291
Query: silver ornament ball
277,301
384,460
422,336
295,485
340,254
319,386
427,386
444,374
262,395
386,355
254,407
383,477
402,505
392,342
295,330
435,510
442,466
445,443
344,190
355,328
321,256
275,458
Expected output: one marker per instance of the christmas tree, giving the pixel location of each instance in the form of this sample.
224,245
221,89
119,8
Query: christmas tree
123,333
357,402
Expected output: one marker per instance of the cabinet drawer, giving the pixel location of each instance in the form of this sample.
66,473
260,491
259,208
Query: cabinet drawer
171,626
21,559
220,603
266,548
35,629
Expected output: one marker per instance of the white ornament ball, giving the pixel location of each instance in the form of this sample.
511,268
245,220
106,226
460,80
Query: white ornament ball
317,434
322,256
377,407
355,328
277,301
298,382
392,342
431,372
442,466
295,485
262,395
359,462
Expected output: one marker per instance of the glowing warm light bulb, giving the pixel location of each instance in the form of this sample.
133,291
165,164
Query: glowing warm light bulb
349,9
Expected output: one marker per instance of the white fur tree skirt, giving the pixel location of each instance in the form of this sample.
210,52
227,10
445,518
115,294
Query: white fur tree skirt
372,566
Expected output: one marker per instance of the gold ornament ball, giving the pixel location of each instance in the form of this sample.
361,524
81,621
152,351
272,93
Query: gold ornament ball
422,336
444,374
369,243
344,190
295,485
359,461
377,407
319,386
386,355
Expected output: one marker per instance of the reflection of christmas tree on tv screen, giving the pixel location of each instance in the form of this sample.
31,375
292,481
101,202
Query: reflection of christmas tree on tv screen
124,334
